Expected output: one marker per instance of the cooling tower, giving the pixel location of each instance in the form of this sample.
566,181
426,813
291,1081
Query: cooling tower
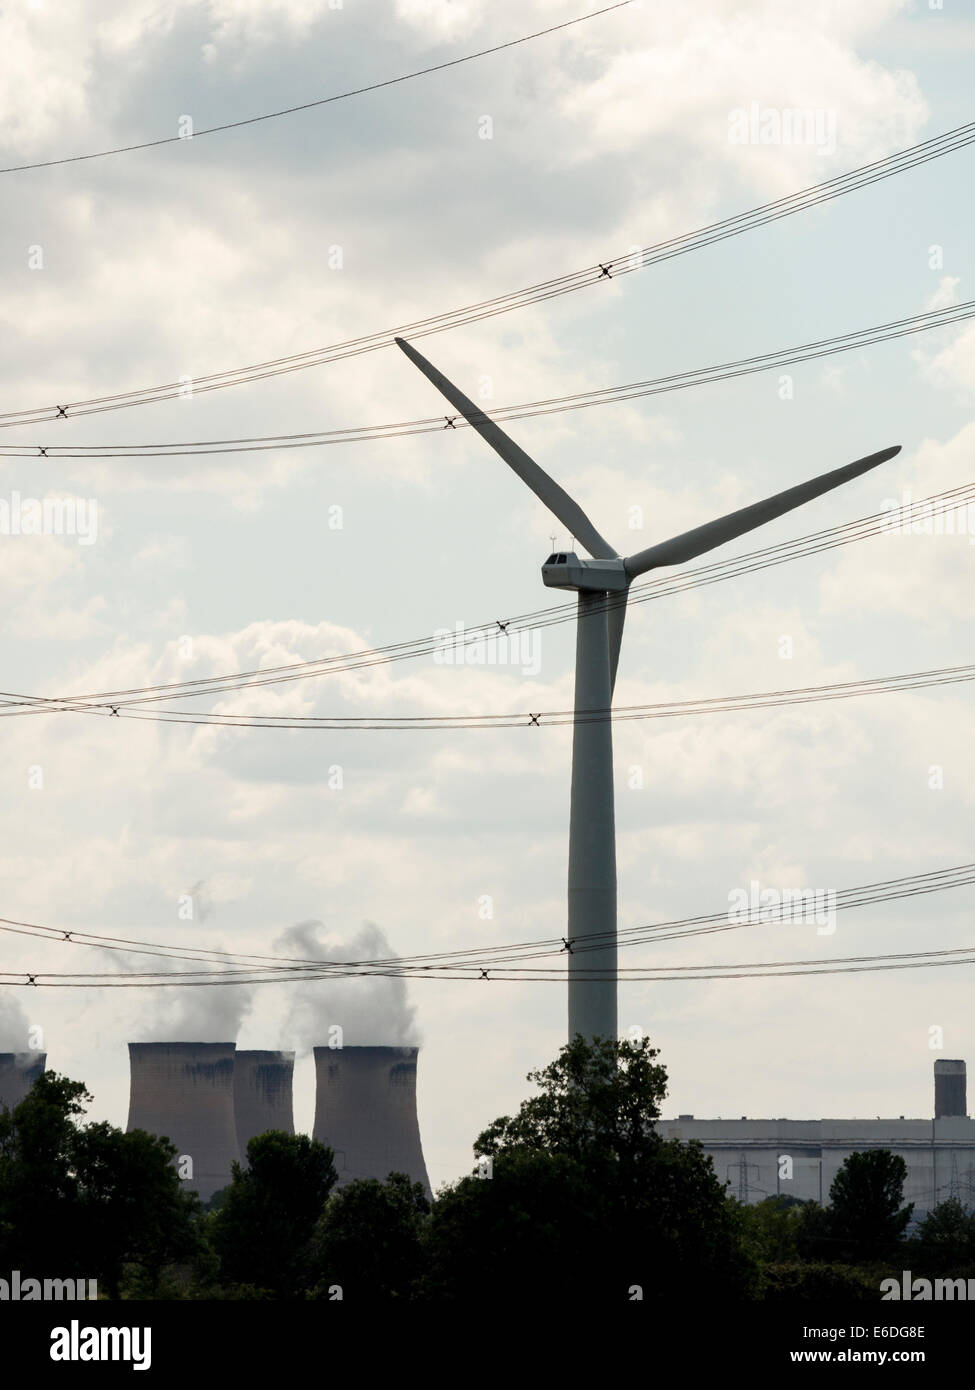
185,1091
949,1088
365,1109
262,1094
18,1072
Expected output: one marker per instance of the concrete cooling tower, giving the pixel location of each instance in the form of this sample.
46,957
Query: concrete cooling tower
365,1110
262,1094
18,1072
185,1091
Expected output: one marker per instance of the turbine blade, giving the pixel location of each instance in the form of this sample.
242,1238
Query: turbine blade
615,618
714,533
558,501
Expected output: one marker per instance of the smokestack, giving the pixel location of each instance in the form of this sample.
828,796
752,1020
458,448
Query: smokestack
949,1088
262,1094
18,1072
185,1091
365,1109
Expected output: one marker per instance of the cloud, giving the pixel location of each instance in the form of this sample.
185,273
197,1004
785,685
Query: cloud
213,253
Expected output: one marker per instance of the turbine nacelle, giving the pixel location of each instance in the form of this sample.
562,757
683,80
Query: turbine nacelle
564,570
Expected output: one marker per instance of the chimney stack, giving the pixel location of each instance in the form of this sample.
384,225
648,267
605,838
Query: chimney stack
365,1110
185,1091
262,1095
949,1089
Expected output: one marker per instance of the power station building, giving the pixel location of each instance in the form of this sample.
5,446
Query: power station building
365,1111
185,1091
263,1086
800,1158
18,1072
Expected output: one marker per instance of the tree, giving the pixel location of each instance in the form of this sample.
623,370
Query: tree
134,1208
771,1229
598,1105
263,1231
816,1238
865,1198
946,1238
39,1205
585,1197
368,1238
520,1235
818,1283
84,1200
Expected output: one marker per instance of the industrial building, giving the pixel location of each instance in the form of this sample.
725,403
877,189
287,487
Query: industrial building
365,1111
18,1072
263,1085
185,1091
762,1158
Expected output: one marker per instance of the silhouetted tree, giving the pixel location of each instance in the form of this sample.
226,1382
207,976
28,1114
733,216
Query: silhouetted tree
865,1200
134,1208
263,1232
819,1283
39,1203
368,1239
945,1239
580,1192
85,1200
816,1238
771,1229
598,1104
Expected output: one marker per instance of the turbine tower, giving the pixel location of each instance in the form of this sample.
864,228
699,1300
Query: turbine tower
602,583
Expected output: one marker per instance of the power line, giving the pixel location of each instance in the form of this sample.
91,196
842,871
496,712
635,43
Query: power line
321,101
527,719
238,968
604,271
700,576
579,400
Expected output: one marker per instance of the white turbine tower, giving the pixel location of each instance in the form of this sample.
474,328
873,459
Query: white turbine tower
602,583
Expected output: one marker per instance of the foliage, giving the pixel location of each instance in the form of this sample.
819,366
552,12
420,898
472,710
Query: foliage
598,1103
584,1192
134,1208
368,1239
865,1198
771,1229
816,1238
263,1232
576,1196
86,1200
944,1242
819,1282
526,1234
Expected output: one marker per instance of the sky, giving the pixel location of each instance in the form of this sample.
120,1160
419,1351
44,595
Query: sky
357,216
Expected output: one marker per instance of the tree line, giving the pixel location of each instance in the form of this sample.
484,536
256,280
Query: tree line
576,1195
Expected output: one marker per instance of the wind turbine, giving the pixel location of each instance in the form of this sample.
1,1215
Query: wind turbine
602,583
